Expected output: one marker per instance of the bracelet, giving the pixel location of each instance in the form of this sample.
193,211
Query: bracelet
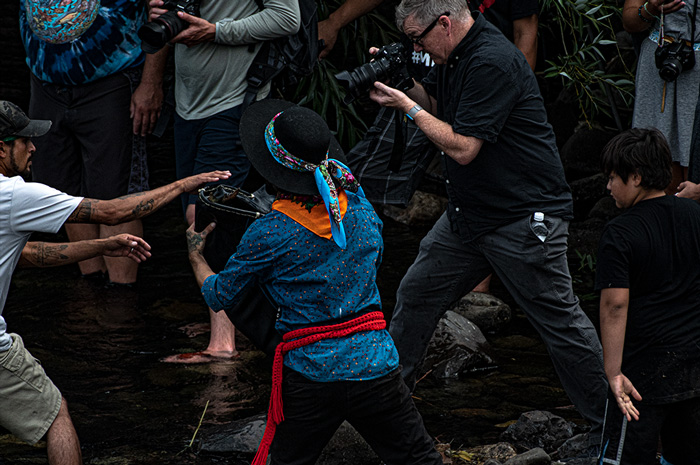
413,111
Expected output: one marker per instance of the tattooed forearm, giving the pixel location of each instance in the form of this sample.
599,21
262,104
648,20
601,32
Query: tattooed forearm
143,208
83,214
45,254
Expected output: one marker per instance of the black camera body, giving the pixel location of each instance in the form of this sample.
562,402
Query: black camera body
390,62
673,58
160,31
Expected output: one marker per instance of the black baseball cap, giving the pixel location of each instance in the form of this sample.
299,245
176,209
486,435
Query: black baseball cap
13,122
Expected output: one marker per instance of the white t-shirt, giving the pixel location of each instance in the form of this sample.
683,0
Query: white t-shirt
25,208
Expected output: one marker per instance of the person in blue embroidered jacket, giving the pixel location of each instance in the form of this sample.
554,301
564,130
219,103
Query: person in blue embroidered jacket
317,255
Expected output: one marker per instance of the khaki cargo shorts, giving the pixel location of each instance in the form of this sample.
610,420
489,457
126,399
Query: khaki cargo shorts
29,401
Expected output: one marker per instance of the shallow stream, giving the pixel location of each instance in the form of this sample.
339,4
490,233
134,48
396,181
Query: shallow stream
101,346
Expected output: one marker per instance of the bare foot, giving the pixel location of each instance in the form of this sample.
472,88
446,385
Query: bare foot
201,357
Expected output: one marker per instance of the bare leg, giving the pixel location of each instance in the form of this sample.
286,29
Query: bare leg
62,444
222,339
122,270
79,232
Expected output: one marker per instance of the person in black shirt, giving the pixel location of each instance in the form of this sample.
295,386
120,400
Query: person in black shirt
648,277
481,106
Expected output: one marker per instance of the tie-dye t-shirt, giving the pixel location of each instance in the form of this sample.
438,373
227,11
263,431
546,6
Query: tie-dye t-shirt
77,41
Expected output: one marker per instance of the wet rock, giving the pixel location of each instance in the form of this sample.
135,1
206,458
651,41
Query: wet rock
576,446
457,347
538,429
494,453
535,456
424,208
489,313
240,437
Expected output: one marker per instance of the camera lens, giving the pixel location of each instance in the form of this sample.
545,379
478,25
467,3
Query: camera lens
156,34
362,78
671,69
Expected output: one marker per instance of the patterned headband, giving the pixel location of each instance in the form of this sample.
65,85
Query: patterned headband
324,173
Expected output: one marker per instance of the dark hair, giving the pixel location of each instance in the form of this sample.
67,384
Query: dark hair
639,151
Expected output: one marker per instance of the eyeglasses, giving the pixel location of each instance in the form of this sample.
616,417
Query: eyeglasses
10,138
417,40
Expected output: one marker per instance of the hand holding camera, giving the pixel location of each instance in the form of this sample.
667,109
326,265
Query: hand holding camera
169,18
674,56
389,62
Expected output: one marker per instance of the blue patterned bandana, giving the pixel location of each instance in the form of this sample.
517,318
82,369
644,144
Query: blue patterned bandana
324,173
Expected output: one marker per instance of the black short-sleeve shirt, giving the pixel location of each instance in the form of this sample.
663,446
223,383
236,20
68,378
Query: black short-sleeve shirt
653,249
487,90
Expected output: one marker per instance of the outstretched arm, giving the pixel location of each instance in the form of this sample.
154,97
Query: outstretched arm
614,303
135,206
46,254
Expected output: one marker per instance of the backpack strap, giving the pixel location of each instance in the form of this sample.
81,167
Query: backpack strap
267,64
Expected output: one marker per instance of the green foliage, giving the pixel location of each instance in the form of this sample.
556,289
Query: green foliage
322,92
587,261
585,29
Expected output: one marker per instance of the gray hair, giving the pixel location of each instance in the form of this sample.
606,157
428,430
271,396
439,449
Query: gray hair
425,11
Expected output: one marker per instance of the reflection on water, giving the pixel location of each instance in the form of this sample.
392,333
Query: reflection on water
101,347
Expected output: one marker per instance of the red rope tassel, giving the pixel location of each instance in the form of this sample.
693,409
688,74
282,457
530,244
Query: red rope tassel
367,322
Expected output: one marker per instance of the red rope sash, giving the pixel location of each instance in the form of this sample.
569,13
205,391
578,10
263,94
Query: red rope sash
367,322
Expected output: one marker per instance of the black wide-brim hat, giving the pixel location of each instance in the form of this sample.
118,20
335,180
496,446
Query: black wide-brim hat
301,131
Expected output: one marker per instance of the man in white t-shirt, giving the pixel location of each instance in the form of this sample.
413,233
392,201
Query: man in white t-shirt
31,407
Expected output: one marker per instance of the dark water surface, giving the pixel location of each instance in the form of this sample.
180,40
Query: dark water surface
101,347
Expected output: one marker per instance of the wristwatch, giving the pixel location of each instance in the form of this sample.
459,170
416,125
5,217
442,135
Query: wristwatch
413,111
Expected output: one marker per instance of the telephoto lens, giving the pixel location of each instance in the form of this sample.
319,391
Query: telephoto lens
160,31
389,63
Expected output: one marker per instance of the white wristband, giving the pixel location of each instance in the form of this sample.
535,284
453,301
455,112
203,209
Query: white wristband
413,111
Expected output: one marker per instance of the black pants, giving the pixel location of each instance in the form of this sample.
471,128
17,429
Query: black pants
636,442
381,410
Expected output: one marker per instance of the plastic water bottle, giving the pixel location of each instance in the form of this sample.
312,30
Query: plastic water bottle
538,226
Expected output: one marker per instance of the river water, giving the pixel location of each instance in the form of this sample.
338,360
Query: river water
101,346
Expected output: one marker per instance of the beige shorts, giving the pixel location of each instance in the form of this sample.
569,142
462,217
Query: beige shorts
29,401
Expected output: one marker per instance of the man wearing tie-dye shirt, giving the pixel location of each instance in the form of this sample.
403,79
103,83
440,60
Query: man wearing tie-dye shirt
91,78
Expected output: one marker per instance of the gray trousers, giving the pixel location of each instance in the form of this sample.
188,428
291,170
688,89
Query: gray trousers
536,275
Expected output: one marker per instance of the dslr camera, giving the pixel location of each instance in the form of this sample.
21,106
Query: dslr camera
390,62
673,58
160,31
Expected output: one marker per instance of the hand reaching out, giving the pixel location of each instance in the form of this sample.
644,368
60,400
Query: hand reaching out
126,245
192,183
